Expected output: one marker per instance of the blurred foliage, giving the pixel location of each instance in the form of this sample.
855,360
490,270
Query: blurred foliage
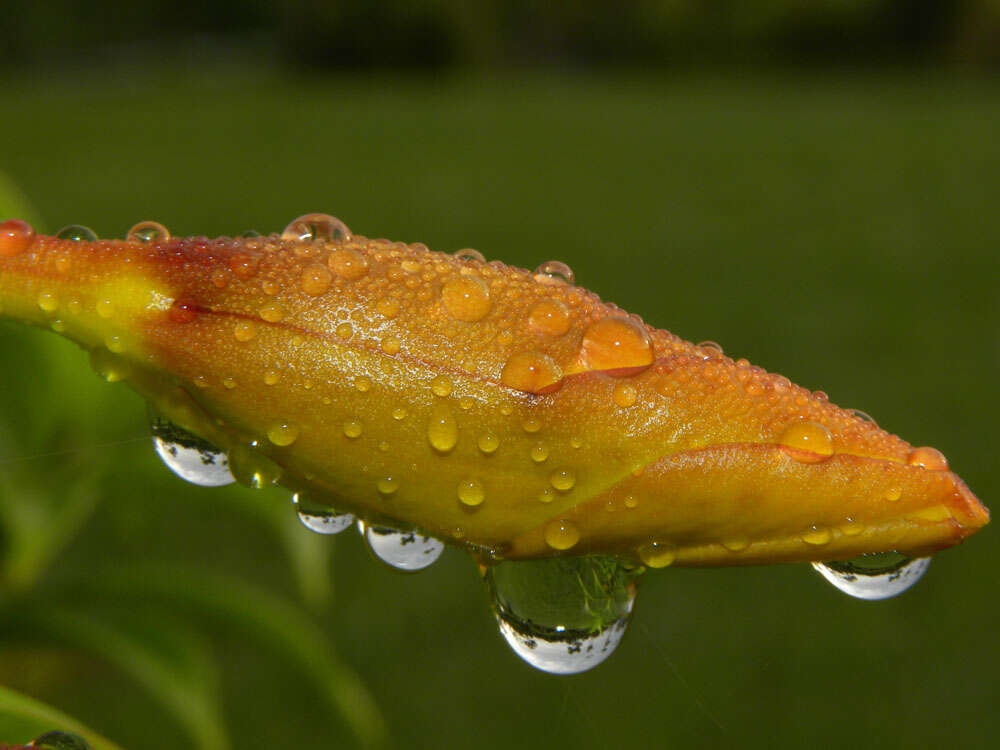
420,33
840,229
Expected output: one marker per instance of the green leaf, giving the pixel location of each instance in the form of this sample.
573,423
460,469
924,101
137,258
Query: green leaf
23,718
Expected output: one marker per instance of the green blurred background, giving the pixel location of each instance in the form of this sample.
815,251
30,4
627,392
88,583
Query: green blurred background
813,185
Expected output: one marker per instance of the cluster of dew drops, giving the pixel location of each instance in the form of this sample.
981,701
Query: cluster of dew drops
590,620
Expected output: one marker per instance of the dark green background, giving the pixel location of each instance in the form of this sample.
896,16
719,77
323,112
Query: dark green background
839,228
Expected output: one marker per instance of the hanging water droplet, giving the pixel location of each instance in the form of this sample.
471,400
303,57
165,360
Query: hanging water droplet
252,468
316,227
554,272
148,231
320,518
563,615
403,550
77,233
875,576
188,456
60,741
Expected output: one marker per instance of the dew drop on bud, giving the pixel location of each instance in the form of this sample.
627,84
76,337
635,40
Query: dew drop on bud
319,517
407,551
77,233
148,231
468,253
188,456
554,272
563,615
316,227
16,236
875,576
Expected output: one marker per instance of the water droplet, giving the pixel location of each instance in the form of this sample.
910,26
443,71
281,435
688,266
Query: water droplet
554,272
531,372
624,395
442,430
817,535
243,265
387,485
928,458
110,366
561,534
251,468
115,344
348,264
549,317
488,442
148,231
319,517
468,253
532,425
344,331
539,452
316,279
403,550
183,310
657,554
470,492
48,301
736,543
862,415
893,494
399,413
714,347
441,386
363,383
390,345
188,456
466,298
60,741
613,344
563,479
388,308
16,236
631,501
283,434
272,312
316,227
353,429
245,330
875,576
271,377
810,441
105,308
228,383
563,615
77,233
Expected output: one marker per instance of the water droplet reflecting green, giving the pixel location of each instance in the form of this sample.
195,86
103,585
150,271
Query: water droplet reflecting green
188,456
60,741
77,233
563,615
875,576
319,517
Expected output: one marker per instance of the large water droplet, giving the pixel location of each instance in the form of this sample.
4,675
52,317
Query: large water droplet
928,458
466,298
613,344
77,233
320,518
60,741
403,550
316,227
148,231
442,429
876,576
810,441
188,456
16,236
531,372
563,615
550,317
468,253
